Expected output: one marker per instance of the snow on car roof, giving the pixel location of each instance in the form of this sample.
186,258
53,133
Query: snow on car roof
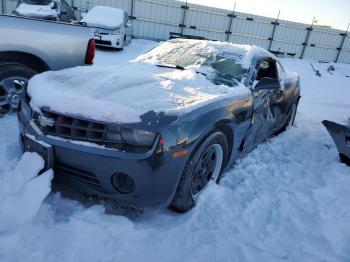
36,10
243,53
103,16
123,93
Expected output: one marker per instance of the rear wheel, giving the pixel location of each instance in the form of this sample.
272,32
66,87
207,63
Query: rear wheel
205,164
13,78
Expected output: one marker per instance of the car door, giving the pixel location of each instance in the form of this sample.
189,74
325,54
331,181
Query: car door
279,101
262,116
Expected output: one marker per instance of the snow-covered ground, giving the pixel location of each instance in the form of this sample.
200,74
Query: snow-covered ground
288,200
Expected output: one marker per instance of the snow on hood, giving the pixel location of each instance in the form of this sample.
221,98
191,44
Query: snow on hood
103,16
123,93
36,10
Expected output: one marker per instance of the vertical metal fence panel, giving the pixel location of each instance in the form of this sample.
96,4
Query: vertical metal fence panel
156,19
325,39
347,42
8,6
344,57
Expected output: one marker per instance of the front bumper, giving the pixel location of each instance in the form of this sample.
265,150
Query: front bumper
89,170
109,40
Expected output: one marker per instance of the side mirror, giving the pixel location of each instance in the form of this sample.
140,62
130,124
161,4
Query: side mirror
75,8
129,23
267,83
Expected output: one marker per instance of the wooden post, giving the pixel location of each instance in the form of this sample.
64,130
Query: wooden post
182,25
232,15
342,43
309,29
275,24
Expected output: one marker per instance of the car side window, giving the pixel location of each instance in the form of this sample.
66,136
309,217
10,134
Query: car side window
267,68
65,5
280,71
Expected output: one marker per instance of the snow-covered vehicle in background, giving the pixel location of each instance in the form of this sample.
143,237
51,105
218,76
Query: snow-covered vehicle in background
32,46
56,10
155,131
341,137
112,26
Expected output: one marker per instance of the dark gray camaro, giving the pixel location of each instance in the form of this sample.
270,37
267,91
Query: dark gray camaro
199,106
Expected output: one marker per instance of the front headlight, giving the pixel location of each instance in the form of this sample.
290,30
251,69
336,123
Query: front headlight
131,137
138,137
116,32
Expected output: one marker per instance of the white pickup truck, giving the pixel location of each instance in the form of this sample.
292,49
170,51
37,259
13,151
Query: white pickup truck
29,46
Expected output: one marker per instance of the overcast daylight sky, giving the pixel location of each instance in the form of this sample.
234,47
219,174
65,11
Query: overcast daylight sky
335,13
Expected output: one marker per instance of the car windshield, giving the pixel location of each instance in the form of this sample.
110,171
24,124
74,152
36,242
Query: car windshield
37,2
219,67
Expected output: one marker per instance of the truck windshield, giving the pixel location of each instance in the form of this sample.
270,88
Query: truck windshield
220,67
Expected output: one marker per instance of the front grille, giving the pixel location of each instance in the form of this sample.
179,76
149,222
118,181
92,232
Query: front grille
103,42
76,129
63,172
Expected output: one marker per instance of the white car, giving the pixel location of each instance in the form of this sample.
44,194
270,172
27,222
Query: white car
112,27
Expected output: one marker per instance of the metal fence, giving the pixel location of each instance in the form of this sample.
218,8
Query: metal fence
155,19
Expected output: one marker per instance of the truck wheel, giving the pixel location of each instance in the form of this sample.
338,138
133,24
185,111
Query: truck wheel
205,164
13,78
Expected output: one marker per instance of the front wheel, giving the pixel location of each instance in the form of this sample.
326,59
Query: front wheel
205,164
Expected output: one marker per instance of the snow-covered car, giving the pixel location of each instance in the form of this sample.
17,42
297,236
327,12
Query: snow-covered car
56,10
341,137
156,130
112,26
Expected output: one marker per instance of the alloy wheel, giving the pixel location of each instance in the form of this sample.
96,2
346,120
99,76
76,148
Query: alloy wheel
11,89
208,168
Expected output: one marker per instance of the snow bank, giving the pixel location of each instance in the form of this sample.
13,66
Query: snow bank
36,10
105,17
123,93
22,192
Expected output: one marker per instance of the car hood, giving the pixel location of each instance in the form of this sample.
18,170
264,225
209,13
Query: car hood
122,94
104,17
36,11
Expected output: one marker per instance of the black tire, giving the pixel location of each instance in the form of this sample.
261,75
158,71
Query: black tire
344,159
184,199
12,70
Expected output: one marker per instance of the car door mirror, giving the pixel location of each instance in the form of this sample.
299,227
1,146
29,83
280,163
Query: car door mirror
267,83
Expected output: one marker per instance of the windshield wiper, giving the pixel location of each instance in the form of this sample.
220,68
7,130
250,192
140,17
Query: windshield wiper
172,66
180,68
